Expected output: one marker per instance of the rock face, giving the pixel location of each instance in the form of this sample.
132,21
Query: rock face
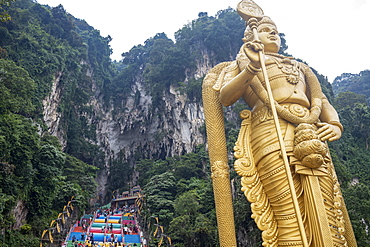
20,213
136,128
357,83
50,109
156,134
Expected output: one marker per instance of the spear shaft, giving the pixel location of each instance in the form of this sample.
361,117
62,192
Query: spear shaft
253,24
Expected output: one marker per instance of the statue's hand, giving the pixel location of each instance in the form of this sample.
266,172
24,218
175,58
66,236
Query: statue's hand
251,49
328,132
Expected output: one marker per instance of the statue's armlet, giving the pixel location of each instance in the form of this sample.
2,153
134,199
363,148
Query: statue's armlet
226,75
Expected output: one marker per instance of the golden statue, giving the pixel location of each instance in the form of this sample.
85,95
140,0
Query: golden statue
281,152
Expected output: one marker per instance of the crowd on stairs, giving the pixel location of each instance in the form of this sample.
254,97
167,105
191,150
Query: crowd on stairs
105,228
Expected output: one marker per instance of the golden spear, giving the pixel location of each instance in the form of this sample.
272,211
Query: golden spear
250,11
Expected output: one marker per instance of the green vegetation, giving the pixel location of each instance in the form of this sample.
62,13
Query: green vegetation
37,173
179,192
353,160
161,63
4,16
38,45
353,83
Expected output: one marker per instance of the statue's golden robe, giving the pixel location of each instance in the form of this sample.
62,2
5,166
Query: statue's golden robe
261,166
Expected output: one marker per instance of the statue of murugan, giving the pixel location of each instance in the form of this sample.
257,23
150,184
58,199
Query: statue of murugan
281,153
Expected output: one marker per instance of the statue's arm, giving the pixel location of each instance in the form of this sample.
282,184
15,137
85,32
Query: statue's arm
236,87
248,60
328,113
330,127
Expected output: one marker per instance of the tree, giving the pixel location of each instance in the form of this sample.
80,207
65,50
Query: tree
187,204
4,16
359,210
356,83
190,227
17,89
160,192
149,168
187,166
347,100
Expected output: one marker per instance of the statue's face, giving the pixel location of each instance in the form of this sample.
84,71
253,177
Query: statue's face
269,37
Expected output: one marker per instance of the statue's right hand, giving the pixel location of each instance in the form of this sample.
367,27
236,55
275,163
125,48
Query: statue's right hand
252,49
328,132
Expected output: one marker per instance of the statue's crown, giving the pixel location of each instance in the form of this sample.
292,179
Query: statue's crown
266,19
248,9
248,34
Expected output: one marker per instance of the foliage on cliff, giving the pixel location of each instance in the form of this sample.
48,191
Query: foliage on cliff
4,16
34,170
160,62
37,44
348,82
178,191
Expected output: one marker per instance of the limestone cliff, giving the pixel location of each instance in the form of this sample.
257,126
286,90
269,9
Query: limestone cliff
136,128
146,106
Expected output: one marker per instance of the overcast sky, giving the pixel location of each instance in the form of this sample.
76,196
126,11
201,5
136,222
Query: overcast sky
332,36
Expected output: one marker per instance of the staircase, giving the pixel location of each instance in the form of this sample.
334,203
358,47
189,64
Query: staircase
105,228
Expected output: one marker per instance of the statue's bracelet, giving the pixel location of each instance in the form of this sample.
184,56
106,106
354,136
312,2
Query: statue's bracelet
252,70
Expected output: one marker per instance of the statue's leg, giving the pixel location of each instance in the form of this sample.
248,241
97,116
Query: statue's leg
273,177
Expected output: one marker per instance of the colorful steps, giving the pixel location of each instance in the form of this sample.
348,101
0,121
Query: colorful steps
116,221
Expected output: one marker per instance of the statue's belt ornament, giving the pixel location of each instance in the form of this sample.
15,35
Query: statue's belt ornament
264,114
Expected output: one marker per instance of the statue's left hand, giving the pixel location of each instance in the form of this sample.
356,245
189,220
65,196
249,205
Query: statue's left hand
328,132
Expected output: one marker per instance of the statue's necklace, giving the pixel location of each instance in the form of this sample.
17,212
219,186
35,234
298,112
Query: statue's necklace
288,66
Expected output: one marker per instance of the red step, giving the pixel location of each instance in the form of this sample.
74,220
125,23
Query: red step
78,229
